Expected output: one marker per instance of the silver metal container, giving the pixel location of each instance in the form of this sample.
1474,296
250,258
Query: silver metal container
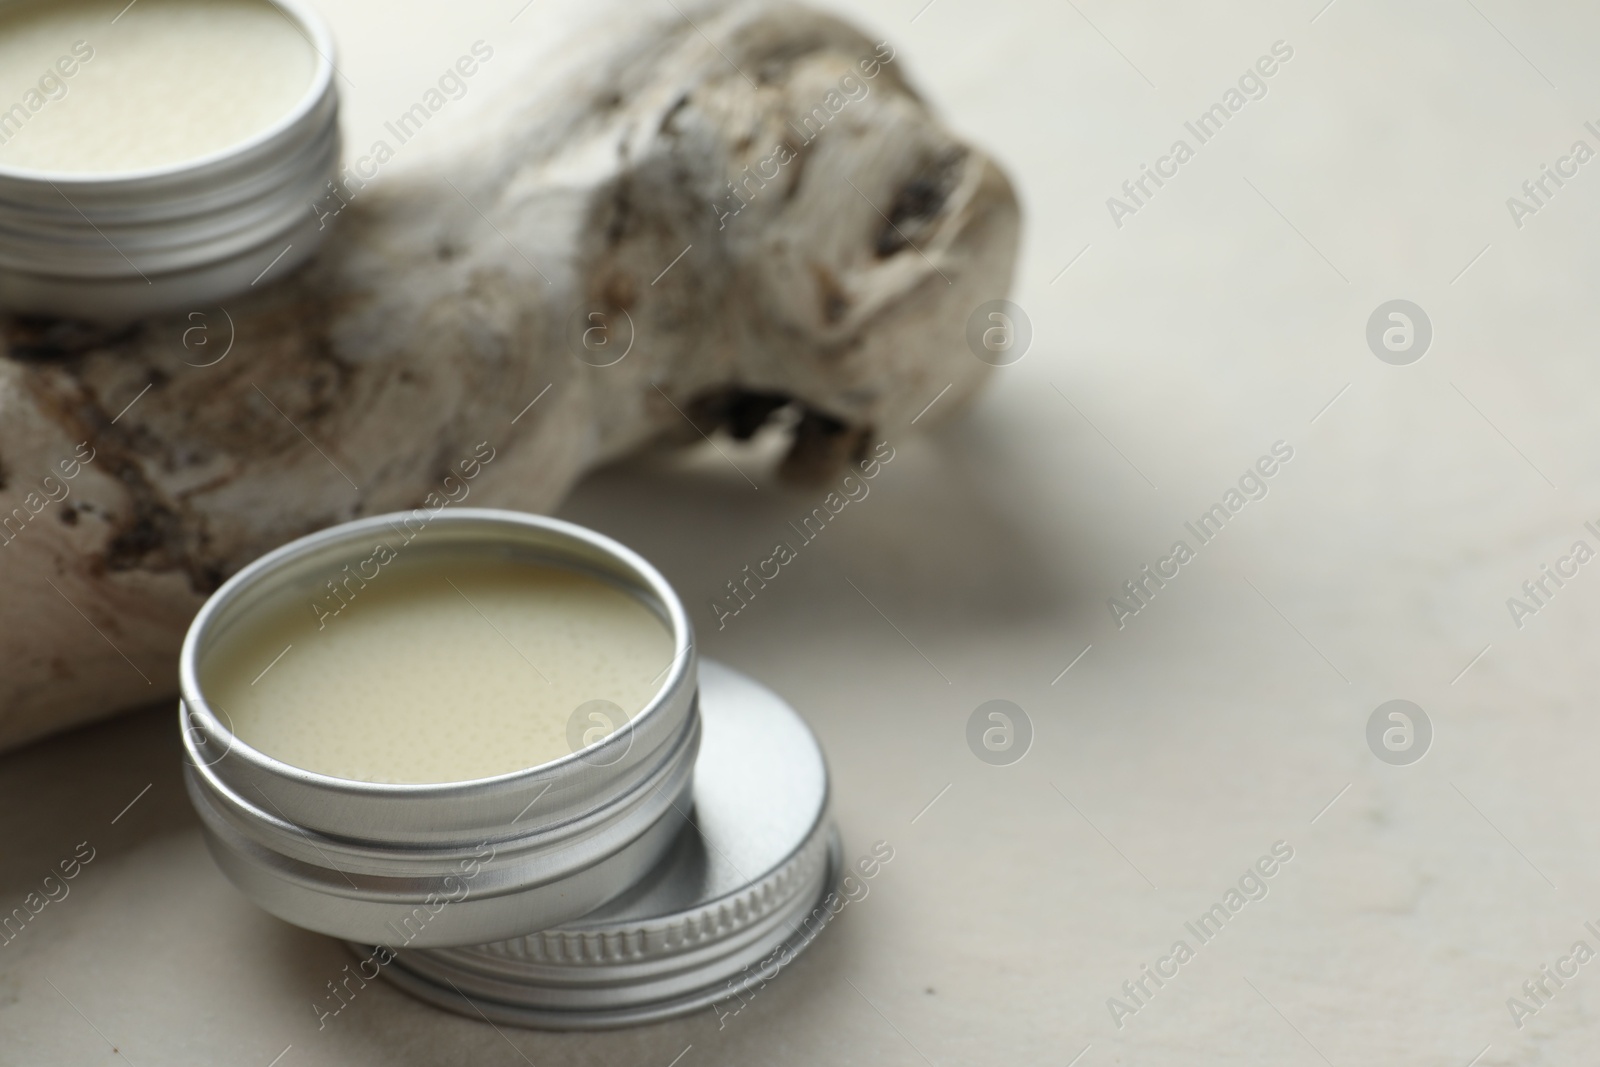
452,863
745,888
117,246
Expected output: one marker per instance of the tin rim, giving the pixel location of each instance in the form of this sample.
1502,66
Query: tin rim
189,684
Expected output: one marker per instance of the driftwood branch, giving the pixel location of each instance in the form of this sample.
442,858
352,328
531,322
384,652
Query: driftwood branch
763,216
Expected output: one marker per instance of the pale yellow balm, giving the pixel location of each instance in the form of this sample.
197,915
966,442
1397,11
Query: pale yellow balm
440,672
105,87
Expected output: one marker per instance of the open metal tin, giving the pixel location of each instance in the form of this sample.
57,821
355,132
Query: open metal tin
449,863
116,246
743,890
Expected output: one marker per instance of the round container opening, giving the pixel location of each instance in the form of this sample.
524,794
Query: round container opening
460,657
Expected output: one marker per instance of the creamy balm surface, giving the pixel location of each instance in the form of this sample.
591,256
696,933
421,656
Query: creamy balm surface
439,672
92,87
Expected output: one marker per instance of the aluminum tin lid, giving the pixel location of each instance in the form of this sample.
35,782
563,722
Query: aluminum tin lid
446,863
120,245
740,893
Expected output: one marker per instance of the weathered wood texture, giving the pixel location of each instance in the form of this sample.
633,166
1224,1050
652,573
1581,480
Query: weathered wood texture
453,293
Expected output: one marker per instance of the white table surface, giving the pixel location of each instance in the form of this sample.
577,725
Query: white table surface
1222,317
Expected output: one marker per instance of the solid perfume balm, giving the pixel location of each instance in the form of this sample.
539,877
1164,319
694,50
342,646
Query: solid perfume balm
450,671
105,87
